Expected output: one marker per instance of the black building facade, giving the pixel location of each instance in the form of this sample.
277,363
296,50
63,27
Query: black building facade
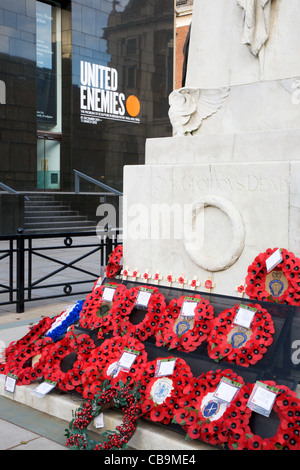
83,84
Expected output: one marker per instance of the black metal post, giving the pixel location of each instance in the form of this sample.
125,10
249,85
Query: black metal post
20,271
109,245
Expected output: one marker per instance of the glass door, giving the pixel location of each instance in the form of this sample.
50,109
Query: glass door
48,163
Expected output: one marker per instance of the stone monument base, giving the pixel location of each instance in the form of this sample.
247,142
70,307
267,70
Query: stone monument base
204,206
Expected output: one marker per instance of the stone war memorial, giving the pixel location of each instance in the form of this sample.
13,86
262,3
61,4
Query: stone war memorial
192,338
234,159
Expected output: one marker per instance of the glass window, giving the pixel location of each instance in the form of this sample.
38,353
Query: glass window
48,66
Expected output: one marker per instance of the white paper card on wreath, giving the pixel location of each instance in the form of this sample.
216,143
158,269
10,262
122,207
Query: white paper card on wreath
143,298
227,390
128,358
10,383
188,308
44,388
274,260
165,367
108,294
262,398
99,282
99,421
244,316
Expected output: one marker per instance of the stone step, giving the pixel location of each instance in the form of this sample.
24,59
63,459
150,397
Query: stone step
53,218
55,213
42,202
48,208
74,228
43,214
148,435
39,197
65,223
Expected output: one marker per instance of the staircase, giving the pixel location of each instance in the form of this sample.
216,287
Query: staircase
44,214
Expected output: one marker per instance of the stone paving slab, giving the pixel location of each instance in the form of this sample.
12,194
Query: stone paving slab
13,437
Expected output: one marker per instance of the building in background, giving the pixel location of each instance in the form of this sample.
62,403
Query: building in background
183,11
83,84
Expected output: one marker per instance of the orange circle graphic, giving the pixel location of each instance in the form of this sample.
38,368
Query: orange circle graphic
133,105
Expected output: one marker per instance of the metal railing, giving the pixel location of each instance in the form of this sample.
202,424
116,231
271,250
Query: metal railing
29,268
79,175
11,190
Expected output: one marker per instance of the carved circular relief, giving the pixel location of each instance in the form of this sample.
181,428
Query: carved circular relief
194,234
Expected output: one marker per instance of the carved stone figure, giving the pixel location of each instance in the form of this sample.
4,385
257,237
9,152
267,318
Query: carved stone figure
256,23
189,106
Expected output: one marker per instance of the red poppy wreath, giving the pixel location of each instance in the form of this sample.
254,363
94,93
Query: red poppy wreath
160,391
281,284
287,436
79,346
18,356
114,266
95,308
118,320
204,417
236,344
118,358
185,332
35,332
21,362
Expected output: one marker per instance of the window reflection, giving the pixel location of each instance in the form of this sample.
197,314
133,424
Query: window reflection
48,66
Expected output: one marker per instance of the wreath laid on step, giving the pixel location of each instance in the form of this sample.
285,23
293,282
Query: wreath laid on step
185,332
95,309
119,318
160,392
287,435
235,344
203,417
281,285
122,397
104,364
18,356
52,356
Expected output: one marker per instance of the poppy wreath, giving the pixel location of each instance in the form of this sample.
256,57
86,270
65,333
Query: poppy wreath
281,285
118,321
17,357
287,436
61,322
52,356
188,339
120,396
240,349
114,267
20,361
35,332
203,417
159,395
91,316
101,364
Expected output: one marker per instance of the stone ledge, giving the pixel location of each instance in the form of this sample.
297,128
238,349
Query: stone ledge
148,436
